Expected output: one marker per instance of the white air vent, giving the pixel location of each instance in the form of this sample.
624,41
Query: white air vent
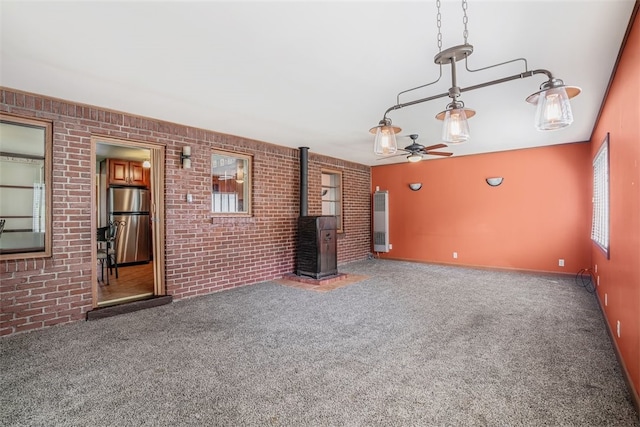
381,221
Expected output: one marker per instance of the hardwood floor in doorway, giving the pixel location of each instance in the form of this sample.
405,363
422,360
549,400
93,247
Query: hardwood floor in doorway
133,282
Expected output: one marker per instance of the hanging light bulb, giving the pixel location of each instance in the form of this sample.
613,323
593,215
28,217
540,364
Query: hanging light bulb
553,107
553,110
455,128
385,140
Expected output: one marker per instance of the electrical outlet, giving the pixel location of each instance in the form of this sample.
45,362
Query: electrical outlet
606,300
390,246
618,329
560,262
455,255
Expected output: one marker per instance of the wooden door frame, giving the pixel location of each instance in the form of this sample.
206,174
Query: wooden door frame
157,185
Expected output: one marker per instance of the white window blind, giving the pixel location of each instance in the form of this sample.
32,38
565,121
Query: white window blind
600,221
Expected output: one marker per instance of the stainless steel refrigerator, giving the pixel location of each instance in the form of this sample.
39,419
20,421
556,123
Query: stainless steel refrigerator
131,205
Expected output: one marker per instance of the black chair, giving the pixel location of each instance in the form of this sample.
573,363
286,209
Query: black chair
107,238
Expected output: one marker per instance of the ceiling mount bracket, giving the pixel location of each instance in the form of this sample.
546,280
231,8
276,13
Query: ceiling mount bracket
453,54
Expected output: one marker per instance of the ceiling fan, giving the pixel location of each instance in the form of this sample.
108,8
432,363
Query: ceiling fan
416,151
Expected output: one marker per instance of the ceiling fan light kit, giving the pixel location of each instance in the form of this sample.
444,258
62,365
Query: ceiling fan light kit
414,157
553,109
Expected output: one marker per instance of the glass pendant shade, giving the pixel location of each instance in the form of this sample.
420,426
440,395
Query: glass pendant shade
385,140
455,128
553,109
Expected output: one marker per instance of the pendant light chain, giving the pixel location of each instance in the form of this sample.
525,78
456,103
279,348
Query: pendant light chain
439,17
465,20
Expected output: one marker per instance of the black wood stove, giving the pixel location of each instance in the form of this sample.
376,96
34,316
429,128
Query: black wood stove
317,248
317,254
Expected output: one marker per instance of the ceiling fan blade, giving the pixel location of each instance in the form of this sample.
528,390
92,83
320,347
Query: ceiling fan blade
438,153
390,157
435,147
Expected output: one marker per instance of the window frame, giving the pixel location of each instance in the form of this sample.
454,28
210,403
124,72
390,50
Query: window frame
47,125
248,183
601,213
340,216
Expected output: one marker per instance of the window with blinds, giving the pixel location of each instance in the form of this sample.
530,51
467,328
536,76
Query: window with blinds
600,221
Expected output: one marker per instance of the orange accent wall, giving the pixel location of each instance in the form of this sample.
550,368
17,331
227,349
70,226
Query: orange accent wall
620,275
541,213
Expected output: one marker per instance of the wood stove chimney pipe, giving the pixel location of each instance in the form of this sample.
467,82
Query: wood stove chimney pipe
304,181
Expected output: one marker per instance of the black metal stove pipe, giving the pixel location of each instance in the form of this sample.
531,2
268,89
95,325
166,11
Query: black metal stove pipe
304,181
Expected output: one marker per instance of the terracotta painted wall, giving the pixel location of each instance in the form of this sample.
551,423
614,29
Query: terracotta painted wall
203,255
540,213
620,275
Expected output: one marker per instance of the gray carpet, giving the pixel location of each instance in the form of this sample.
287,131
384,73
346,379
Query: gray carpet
413,345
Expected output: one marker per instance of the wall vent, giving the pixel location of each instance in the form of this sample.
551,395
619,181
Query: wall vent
381,221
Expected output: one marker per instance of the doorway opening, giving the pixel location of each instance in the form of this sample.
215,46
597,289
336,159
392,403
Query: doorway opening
128,245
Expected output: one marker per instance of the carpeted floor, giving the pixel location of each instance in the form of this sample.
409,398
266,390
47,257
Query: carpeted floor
411,345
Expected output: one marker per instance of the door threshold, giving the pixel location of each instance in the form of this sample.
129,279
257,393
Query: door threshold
128,307
122,300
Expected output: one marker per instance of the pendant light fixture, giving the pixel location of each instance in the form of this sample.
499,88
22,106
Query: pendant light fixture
553,109
385,142
455,128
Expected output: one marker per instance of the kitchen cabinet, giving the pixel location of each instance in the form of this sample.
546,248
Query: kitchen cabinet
126,172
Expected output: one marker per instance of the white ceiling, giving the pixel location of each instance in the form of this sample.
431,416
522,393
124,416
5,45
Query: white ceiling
316,74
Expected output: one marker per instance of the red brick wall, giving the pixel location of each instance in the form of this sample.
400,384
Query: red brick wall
203,254
354,242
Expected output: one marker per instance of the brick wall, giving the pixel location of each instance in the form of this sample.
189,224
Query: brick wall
353,243
203,254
